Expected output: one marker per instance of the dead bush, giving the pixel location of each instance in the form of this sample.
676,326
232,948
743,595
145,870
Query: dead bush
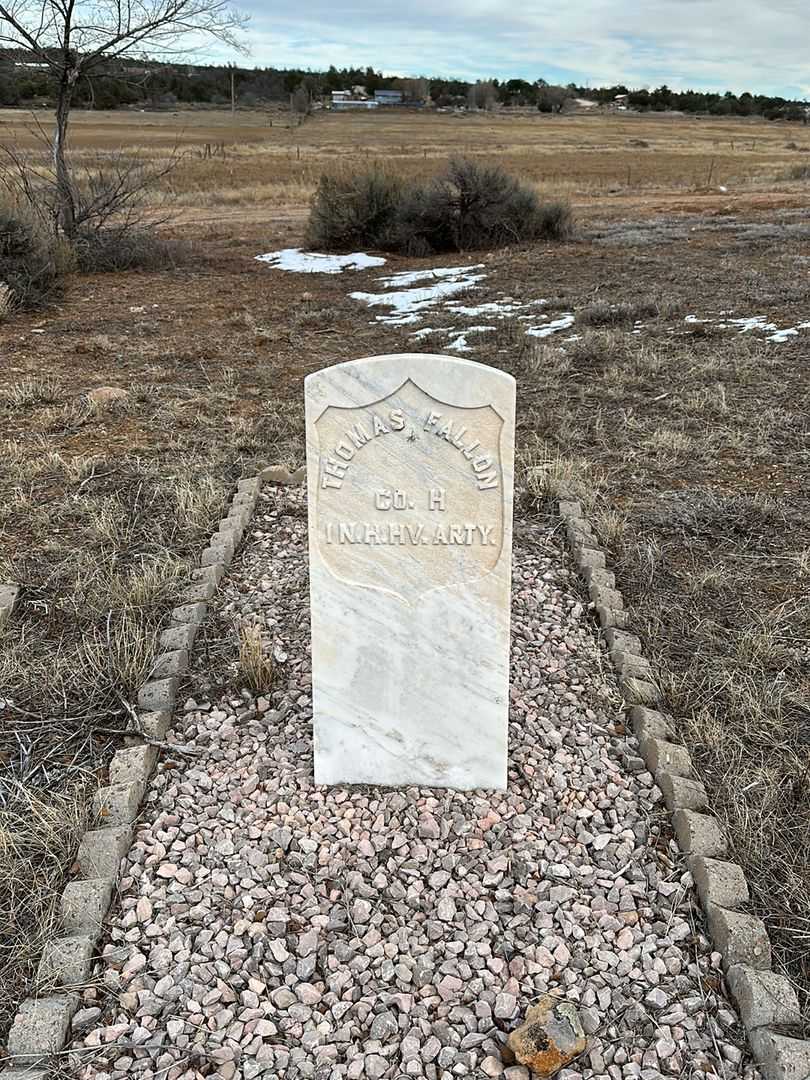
30,265
469,206
352,209
110,250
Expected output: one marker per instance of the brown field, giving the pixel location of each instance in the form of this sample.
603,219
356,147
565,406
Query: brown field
688,442
262,159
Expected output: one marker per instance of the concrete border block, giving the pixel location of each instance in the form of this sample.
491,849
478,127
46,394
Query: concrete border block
135,764
594,575
741,938
225,541
155,724
250,484
585,555
631,665
699,834
25,1072
66,962
719,882
189,613
118,804
570,508
84,905
101,851
579,531
171,663
647,723
178,637
158,694
780,1057
214,574
612,617
244,501
603,597
638,691
622,641
669,757
200,590
40,1027
681,792
763,998
213,556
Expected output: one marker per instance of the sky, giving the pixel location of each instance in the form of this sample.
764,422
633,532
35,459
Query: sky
757,45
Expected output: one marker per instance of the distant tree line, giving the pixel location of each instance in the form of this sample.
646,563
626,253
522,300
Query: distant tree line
159,85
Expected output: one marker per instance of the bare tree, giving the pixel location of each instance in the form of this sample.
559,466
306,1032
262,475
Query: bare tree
300,100
553,99
482,95
76,39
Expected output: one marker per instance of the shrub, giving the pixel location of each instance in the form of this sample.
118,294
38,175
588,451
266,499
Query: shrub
31,263
354,209
469,206
110,250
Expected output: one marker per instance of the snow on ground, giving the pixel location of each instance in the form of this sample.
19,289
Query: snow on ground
268,927
411,294
310,262
562,323
410,303
459,343
753,323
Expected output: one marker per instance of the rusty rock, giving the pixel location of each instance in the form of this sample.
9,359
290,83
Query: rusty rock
550,1037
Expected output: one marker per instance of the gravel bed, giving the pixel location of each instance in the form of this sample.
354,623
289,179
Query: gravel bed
269,927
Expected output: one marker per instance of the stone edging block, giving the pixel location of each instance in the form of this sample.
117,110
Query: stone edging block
764,999
665,756
41,1025
66,962
741,938
780,1057
719,882
84,905
40,1028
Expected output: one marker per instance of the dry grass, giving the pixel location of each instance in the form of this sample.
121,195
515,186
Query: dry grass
39,832
266,162
709,537
255,666
101,542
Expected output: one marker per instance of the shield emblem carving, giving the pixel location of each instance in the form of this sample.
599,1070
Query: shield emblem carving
410,492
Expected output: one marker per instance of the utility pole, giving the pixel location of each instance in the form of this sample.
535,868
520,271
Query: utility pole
233,92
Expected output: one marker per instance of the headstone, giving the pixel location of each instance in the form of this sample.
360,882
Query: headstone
410,464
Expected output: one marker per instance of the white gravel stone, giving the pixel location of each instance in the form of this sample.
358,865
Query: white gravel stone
274,928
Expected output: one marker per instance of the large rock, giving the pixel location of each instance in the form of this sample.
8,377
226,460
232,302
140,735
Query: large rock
103,395
549,1038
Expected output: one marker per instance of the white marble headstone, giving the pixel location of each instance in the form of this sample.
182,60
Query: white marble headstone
410,463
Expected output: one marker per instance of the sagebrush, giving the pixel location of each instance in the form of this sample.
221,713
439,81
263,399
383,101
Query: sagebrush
469,206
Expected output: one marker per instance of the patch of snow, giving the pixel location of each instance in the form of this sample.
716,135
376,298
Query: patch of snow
459,343
504,307
783,335
411,277
553,327
752,323
409,304
310,262
755,322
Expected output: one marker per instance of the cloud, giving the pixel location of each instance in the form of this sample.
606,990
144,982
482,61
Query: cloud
714,44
